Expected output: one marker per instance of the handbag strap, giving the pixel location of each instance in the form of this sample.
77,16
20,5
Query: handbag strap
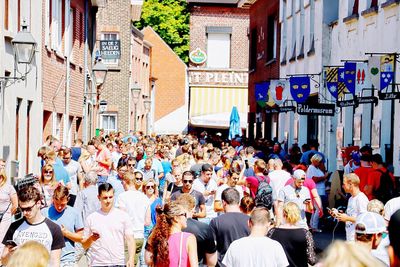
180,251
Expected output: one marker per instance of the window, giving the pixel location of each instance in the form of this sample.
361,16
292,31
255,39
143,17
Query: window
70,28
56,25
57,120
302,22
218,50
108,122
352,7
271,37
253,49
110,36
283,21
293,48
372,3
312,22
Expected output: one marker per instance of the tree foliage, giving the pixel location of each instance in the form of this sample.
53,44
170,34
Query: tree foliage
170,19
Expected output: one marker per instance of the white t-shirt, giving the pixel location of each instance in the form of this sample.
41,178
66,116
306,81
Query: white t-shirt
278,179
255,251
200,186
312,171
290,194
391,207
112,228
73,168
135,203
355,207
222,187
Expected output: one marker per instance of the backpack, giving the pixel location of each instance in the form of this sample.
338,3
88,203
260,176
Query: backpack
386,190
264,194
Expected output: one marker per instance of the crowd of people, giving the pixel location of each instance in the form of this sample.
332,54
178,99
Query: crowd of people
187,200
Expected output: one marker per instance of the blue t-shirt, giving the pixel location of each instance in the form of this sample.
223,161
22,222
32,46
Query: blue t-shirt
72,221
60,172
306,157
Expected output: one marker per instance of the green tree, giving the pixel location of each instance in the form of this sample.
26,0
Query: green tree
170,19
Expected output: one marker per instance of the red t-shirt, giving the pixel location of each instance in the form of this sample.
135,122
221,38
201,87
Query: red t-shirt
363,173
374,179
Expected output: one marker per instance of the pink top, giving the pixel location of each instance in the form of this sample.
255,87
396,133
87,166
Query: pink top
174,248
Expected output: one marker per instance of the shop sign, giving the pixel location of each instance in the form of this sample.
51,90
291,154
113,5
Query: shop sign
347,103
198,56
316,109
389,96
368,100
110,49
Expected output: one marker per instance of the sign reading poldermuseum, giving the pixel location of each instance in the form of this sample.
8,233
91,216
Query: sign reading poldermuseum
198,56
316,109
110,49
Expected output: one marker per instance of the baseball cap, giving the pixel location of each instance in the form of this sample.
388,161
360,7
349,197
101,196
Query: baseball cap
299,174
370,223
356,156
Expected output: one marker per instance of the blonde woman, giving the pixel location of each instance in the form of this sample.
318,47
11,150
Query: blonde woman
30,254
48,183
8,204
348,254
150,190
297,242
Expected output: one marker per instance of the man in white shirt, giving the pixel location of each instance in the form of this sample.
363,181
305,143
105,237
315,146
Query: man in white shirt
278,178
357,204
208,187
256,249
391,207
233,178
136,204
106,232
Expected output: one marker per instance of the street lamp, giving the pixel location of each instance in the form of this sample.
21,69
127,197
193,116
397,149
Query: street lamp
135,96
147,105
24,46
99,72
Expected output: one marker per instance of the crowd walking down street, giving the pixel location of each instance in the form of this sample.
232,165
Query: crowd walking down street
188,200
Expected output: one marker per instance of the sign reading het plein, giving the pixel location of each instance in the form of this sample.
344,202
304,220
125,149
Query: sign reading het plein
110,49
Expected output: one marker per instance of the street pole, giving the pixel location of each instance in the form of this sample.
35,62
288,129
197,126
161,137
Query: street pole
86,71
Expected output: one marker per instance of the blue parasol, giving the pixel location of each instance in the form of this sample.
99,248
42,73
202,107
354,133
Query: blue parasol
234,124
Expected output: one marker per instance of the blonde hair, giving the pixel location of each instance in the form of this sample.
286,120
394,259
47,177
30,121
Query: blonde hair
145,183
349,254
53,175
30,254
352,178
291,213
376,206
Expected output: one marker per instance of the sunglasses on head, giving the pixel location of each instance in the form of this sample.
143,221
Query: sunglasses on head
188,181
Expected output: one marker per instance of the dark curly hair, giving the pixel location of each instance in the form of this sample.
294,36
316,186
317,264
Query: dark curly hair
158,240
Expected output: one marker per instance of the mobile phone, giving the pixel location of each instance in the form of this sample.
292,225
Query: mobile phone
306,200
11,243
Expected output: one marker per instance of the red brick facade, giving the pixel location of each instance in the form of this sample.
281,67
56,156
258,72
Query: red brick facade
263,67
54,67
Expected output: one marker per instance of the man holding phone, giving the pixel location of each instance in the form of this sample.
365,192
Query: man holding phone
106,232
297,193
33,227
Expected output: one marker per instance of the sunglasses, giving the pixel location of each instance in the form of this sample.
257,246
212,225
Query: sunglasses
188,181
131,165
183,214
48,172
139,179
150,186
27,209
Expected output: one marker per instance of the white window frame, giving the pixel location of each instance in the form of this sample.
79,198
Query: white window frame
57,120
69,48
283,31
103,37
227,64
106,129
312,22
56,25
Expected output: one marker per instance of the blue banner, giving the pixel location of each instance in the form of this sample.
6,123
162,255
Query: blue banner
386,79
300,88
350,69
261,93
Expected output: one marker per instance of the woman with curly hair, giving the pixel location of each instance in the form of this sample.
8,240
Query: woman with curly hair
167,244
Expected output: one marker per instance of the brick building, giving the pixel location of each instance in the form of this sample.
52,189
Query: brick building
63,65
218,68
264,62
124,73
169,87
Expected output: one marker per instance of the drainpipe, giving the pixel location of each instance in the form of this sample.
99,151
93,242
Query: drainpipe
85,80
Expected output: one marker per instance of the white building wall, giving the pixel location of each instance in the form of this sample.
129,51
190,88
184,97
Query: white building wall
28,90
377,32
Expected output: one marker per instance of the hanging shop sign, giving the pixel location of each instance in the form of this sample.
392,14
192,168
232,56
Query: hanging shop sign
368,100
389,96
198,56
316,109
110,49
341,103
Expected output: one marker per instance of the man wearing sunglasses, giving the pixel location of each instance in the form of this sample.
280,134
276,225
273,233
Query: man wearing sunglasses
200,201
233,178
33,227
297,193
